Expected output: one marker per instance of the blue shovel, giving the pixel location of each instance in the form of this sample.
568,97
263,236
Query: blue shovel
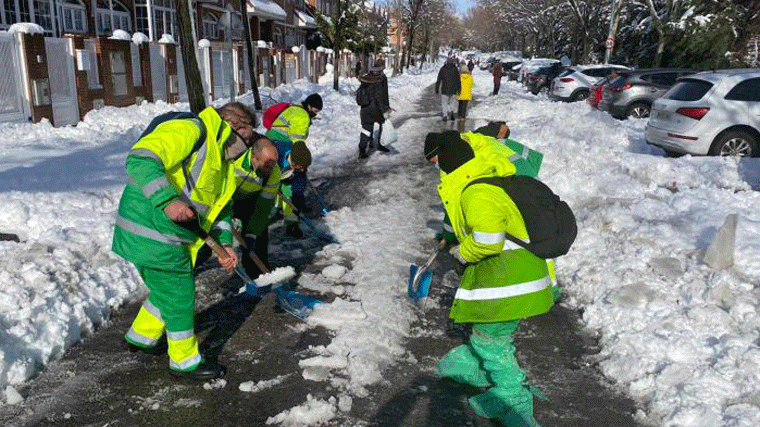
418,286
322,204
297,304
318,234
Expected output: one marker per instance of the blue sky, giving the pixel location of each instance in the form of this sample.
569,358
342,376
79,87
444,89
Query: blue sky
462,6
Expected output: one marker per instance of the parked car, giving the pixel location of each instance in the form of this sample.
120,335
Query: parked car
712,112
540,80
574,84
530,66
632,95
507,67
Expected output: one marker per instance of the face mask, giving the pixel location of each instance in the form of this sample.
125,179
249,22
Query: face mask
234,147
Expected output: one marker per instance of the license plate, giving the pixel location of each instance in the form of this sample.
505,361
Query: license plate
663,115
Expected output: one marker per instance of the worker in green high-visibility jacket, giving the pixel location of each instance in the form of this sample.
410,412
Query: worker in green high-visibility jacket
502,282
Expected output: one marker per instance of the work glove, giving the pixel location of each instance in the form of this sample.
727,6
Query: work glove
454,251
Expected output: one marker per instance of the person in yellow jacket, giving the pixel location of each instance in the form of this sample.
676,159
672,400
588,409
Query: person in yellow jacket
501,284
289,132
465,95
171,181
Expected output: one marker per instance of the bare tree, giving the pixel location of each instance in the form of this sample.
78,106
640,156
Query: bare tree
249,49
339,28
189,59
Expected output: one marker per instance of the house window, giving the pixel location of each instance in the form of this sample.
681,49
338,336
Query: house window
73,19
103,17
118,72
164,17
12,11
43,15
210,26
278,39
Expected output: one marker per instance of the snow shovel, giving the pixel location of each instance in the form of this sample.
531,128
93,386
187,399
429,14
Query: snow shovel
318,234
297,304
418,286
322,204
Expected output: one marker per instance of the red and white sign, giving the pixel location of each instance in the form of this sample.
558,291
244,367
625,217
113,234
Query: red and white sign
609,43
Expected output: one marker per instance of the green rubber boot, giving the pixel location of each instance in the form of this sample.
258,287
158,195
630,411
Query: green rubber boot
508,401
461,365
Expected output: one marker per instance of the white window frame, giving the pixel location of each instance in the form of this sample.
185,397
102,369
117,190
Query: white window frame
77,9
121,19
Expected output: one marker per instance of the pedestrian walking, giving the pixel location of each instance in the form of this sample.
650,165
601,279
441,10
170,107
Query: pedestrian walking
502,282
449,86
372,97
358,69
465,95
180,171
498,73
470,65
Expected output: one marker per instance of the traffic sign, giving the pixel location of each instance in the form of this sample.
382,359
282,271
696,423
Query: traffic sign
609,43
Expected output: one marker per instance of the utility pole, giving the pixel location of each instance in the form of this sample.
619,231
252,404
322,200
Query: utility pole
609,44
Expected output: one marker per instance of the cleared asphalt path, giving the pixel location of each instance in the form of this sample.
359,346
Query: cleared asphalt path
99,383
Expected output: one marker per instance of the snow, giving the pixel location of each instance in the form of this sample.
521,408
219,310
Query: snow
120,35
139,38
26,28
678,336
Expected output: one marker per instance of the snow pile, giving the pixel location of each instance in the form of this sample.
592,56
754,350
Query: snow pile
314,412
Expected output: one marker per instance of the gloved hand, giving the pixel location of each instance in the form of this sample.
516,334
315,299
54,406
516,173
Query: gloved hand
454,251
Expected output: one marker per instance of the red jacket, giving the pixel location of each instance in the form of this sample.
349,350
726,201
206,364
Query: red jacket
497,72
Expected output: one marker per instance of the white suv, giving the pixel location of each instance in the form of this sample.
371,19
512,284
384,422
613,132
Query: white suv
712,112
575,83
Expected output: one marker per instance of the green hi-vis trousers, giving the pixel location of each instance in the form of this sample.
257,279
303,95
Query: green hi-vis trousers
488,360
170,307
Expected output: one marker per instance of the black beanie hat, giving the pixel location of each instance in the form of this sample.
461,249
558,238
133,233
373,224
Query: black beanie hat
432,145
300,154
491,129
453,152
314,100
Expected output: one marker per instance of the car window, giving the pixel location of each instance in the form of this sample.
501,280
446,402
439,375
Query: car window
688,90
620,80
566,73
596,72
748,90
663,79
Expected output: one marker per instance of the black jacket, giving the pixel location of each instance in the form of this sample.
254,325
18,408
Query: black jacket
448,82
374,89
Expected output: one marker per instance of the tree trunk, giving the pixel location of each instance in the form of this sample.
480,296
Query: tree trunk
193,80
249,48
336,67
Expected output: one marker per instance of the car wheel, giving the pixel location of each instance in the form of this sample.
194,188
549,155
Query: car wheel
580,96
638,110
735,143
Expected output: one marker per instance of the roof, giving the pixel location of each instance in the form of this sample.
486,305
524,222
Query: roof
303,19
266,9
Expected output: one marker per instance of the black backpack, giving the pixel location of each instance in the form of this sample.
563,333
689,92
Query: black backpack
363,97
549,221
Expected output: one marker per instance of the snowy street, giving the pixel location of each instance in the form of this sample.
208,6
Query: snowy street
653,321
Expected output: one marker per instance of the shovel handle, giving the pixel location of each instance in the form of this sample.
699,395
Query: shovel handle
251,254
194,225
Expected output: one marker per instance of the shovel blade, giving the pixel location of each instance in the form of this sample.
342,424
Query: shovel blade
298,305
423,286
410,286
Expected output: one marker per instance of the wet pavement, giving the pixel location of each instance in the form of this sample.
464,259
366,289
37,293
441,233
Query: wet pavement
99,383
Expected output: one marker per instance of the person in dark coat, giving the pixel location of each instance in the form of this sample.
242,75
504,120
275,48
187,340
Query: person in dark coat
372,96
498,73
358,69
470,65
448,85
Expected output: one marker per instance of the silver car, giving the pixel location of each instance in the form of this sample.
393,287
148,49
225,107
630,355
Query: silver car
575,83
632,95
712,112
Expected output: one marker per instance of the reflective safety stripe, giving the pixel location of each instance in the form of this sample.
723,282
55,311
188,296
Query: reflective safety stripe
223,226
198,206
267,195
366,132
191,178
514,157
152,187
504,291
179,336
186,365
150,233
298,136
525,153
285,121
248,178
487,238
139,339
510,245
144,152
153,310
448,228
